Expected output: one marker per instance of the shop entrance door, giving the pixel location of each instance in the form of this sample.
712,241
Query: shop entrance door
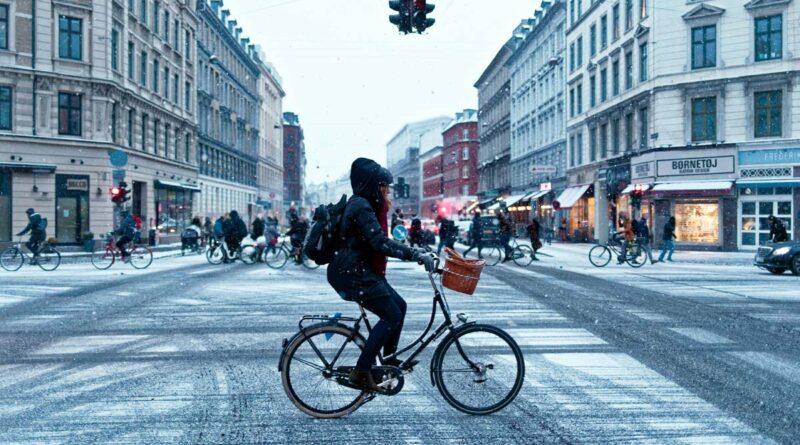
754,211
72,208
5,205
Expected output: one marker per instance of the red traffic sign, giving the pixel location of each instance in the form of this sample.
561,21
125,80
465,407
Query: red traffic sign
556,205
271,195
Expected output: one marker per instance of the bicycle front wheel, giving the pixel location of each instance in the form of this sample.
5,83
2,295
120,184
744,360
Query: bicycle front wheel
493,257
522,256
12,259
275,257
248,254
308,263
49,258
215,255
600,256
141,257
310,366
479,370
103,259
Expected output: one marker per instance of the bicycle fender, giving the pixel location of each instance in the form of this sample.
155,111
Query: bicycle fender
440,346
301,333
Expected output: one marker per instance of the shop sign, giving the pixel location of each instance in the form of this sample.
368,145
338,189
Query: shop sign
709,165
543,169
545,186
643,170
75,184
617,178
772,156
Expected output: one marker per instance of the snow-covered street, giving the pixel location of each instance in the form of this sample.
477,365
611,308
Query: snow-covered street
704,350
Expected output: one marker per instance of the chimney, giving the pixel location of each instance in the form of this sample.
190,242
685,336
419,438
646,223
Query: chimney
215,5
238,31
245,41
232,24
224,15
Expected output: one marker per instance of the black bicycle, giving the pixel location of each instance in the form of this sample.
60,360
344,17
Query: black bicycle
478,368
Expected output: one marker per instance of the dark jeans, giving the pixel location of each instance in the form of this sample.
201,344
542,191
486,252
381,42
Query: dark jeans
505,238
33,246
121,242
386,333
473,244
445,242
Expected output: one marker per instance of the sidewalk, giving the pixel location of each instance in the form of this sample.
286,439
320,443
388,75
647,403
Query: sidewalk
160,251
680,256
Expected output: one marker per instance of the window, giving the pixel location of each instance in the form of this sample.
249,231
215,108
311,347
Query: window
628,70
131,118
131,6
628,15
144,132
615,136
592,40
187,42
643,133
572,57
603,31
580,148
571,11
465,190
166,26
615,78
465,172
572,103
3,26
603,85
769,38
604,141
629,132
580,98
176,36
167,128
187,95
5,108
697,222
580,51
69,38
114,49
143,11
768,114
156,70
642,9
156,125
156,17
592,144
114,114
143,69
465,153
131,58
704,47
69,114
166,83
615,21
643,62
175,83
704,119
186,147
572,151
592,91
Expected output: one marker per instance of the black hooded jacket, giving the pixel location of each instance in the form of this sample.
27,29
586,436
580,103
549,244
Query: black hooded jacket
351,272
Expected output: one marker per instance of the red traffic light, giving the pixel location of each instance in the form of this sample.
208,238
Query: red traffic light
115,191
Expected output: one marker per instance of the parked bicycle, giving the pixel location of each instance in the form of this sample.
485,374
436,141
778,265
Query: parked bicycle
14,257
139,256
521,254
276,256
602,254
218,252
478,368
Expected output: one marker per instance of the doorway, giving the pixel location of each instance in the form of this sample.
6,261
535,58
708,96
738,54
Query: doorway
72,208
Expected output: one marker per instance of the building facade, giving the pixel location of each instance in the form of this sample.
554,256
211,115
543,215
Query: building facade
432,183
228,114
403,153
707,125
494,115
460,162
83,83
270,144
537,70
294,161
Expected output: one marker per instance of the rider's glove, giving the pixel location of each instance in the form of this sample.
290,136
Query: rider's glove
424,258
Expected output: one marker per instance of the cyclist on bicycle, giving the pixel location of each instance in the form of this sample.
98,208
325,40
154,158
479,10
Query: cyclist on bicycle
298,227
628,235
358,271
37,227
506,232
126,232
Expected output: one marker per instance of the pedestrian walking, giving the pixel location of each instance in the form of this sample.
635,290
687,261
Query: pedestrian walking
644,239
475,235
447,234
533,231
667,239
506,232
562,229
777,230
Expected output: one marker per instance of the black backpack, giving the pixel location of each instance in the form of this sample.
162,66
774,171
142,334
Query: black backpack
322,240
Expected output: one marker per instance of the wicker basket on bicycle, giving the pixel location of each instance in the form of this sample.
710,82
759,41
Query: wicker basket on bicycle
461,274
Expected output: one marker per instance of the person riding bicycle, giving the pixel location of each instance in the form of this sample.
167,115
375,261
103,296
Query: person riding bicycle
37,227
506,232
126,232
358,271
235,230
415,237
628,235
298,227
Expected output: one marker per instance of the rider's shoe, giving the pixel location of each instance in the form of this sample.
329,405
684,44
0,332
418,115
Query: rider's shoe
396,362
363,379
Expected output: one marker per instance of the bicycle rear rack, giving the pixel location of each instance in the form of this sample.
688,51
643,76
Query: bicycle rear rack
332,319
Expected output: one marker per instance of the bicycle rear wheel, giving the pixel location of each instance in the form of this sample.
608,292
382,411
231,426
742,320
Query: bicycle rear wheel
310,365
523,256
248,254
141,257
636,257
103,259
479,370
49,259
600,256
493,257
12,259
275,257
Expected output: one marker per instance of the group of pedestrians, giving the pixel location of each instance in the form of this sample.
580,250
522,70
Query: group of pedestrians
506,230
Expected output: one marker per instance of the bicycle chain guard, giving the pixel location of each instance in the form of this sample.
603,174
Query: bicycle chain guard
389,378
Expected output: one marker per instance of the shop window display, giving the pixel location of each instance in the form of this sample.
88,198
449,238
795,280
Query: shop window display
767,201
698,222
173,210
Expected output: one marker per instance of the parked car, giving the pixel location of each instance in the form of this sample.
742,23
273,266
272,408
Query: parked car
463,231
779,257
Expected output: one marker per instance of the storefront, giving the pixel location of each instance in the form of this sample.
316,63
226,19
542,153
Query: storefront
694,186
769,184
174,206
72,208
577,207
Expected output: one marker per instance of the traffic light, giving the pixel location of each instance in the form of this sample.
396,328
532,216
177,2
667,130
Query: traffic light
636,195
116,195
125,191
421,10
402,20
406,191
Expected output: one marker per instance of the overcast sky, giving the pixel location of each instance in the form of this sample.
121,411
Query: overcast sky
354,81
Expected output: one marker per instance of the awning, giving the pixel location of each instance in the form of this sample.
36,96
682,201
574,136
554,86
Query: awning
513,199
632,187
535,195
162,183
28,167
765,183
692,186
472,206
568,197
